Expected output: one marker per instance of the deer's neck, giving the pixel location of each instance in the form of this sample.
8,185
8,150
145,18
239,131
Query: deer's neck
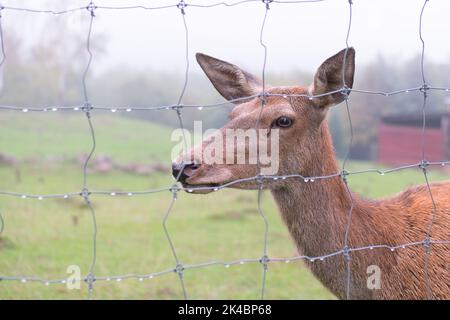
317,216
316,213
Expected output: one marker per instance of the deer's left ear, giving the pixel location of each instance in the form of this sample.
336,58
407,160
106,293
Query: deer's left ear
329,77
231,81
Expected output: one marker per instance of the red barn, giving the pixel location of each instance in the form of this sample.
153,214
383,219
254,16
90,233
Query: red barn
400,139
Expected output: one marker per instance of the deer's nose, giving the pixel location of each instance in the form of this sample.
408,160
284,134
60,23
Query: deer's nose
182,171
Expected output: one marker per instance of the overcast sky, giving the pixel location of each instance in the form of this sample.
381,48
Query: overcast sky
298,36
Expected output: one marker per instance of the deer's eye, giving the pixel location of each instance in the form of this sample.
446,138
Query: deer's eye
283,122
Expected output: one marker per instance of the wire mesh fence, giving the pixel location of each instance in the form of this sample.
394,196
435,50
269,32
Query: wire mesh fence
89,109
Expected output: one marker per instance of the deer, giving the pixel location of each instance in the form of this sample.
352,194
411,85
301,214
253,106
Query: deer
317,214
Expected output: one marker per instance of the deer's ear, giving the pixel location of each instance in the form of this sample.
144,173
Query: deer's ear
231,81
329,77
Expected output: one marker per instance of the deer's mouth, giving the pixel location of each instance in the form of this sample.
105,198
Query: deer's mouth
205,188
201,188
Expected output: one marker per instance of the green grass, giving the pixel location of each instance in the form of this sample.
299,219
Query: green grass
43,136
42,238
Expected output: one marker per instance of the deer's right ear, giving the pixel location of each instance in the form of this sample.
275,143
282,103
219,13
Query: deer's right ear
332,75
231,81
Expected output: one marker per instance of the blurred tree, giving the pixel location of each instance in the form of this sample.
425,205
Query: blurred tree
44,66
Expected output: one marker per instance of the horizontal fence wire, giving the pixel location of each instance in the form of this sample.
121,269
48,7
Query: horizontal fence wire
88,109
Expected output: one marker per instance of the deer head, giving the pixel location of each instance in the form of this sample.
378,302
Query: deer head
296,121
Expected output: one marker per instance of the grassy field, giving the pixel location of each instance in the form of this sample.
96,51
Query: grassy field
42,238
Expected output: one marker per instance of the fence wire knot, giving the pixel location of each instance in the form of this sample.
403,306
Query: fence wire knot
87,107
260,179
182,5
90,279
424,165
263,97
264,261
267,3
177,108
344,174
91,8
346,253
85,193
427,244
179,269
424,88
345,91
174,189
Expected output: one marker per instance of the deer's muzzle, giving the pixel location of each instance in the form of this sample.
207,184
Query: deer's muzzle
182,171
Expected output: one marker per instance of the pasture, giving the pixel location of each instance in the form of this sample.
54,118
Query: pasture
43,237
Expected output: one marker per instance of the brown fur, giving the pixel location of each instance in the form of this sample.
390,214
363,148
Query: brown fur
317,213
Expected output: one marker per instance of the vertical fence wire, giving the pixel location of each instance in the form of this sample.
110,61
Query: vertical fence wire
346,253
265,257
179,269
90,279
424,163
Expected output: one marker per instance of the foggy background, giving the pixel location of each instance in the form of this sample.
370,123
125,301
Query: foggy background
139,60
139,55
